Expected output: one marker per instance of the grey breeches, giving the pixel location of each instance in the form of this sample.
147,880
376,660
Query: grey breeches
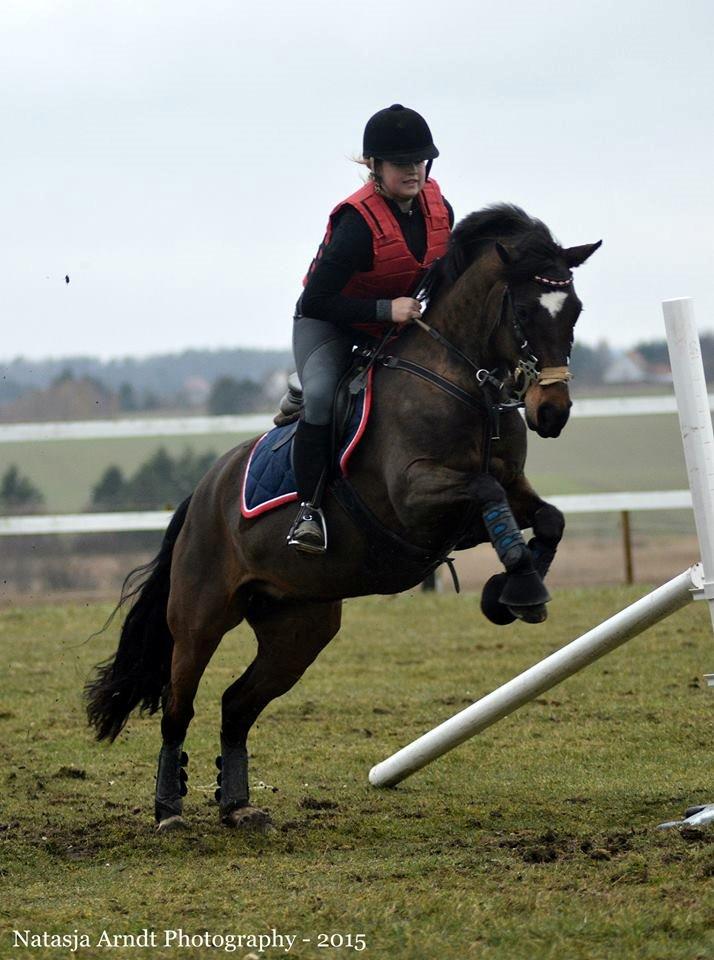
323,353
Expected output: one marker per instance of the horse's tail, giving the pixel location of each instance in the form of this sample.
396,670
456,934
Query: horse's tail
141,666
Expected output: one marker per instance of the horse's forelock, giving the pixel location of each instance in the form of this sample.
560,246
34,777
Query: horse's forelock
536,252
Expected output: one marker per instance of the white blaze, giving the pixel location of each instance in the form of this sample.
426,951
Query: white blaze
553,301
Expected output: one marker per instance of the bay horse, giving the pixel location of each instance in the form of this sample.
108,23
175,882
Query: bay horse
440,466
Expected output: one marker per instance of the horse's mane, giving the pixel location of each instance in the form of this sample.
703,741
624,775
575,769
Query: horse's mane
476,234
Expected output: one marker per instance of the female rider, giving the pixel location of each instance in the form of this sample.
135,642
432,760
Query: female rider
377,245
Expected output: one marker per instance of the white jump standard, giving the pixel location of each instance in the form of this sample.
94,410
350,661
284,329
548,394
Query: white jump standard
697,583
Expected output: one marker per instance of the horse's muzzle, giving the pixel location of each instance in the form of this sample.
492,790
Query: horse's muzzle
548,409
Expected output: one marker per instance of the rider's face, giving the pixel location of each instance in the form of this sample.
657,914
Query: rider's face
402,181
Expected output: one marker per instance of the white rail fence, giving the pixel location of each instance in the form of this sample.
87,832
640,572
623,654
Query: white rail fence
622,503
158,519
259,422
125,522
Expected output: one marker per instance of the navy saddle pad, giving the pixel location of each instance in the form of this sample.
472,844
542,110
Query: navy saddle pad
269,480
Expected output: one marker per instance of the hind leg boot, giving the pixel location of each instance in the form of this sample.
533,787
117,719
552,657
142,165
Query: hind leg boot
232,793
171,787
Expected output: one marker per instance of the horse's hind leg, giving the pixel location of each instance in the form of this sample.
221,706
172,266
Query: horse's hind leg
198,621
290,635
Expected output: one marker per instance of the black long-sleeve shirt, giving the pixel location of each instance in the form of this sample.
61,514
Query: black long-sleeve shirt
350,251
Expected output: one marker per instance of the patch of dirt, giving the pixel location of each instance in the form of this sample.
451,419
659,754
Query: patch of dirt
294,825
696,835
71,773
310,803
549,846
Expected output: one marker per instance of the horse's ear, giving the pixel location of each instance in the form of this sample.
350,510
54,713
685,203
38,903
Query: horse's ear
574,256
505,255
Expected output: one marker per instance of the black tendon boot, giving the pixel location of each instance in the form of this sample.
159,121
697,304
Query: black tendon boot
311,456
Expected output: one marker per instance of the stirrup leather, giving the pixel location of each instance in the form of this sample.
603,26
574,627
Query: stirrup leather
308,512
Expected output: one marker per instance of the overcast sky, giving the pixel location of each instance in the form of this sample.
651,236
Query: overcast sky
178,159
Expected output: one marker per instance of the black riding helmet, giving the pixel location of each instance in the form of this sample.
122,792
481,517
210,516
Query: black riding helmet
399,135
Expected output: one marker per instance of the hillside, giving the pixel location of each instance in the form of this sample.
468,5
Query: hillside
163,374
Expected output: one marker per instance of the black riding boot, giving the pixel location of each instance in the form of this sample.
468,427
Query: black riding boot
311,460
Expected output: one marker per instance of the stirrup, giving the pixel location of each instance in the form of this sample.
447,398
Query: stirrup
308,512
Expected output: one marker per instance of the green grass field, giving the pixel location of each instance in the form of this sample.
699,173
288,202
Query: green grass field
535,840
625,453
66,470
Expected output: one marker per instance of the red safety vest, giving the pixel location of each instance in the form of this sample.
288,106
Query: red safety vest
395,271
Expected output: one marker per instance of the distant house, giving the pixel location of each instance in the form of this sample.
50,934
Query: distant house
631,367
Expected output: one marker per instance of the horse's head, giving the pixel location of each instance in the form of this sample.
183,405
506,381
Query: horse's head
538,314
504,292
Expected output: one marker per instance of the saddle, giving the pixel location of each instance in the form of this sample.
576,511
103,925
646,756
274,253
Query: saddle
349,388
291,402
269,480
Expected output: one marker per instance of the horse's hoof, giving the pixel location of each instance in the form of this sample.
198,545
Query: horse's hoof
524,590
248,818
171,823
534,613
491,607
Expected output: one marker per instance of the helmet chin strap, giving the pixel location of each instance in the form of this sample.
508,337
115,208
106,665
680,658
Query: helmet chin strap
428,169
375,176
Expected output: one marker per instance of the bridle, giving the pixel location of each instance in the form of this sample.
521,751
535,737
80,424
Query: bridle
527,370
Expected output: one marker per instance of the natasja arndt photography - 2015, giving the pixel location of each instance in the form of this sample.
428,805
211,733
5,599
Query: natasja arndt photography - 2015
356,481
180,941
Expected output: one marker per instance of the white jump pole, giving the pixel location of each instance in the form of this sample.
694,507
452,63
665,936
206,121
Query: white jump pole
695,422
695,583
539,678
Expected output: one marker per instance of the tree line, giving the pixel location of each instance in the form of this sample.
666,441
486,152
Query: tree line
216,382
160,374
71,397
162,481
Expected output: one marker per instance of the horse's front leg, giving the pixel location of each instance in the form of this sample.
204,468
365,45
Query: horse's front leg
426,490
547,521
548,524
519,592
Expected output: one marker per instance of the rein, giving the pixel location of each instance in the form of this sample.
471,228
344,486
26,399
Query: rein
482,375
527,367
